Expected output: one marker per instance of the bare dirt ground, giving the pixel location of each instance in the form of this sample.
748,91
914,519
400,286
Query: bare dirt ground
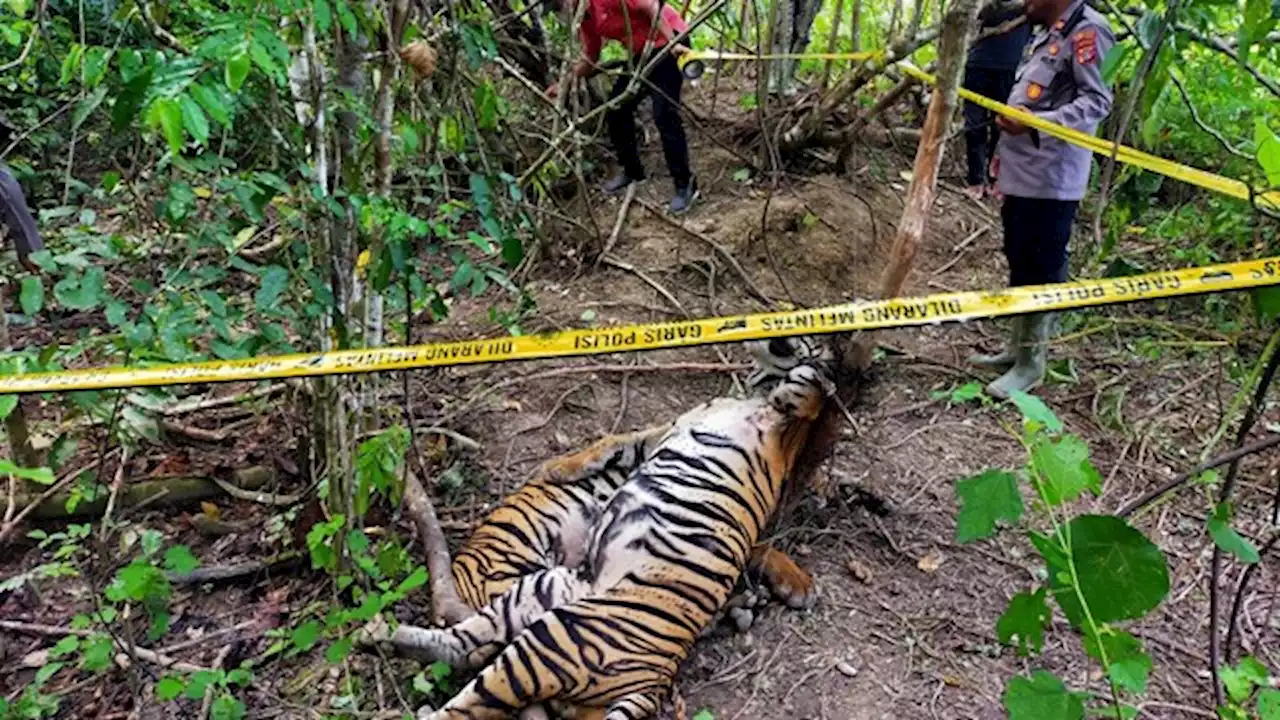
905,627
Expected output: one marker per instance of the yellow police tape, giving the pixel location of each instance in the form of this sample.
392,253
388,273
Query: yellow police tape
1130,156
899,312
1125,154
703,55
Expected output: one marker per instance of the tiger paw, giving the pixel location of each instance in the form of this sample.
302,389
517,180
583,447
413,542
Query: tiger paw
788,582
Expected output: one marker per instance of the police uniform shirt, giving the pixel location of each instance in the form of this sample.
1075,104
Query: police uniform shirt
1060,80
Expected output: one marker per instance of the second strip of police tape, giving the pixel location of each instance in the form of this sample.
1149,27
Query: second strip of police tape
899,312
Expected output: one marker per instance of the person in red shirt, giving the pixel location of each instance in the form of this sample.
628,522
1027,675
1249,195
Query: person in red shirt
610,20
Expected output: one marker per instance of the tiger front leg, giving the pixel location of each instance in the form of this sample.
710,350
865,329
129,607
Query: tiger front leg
474,641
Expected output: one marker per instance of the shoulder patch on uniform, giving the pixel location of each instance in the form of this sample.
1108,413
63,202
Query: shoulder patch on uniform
1086,42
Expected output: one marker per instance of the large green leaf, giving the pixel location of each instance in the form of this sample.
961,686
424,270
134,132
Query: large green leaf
1241,679
237,69
81,292
1064,469
1024,621
1268,151
1130,665
166,114
1041,697
1258,21
1226,537
1122,574
1269,704
31,296
1266,303
1034,411
193,119
43,475
274,281
985,499
211,100
129,99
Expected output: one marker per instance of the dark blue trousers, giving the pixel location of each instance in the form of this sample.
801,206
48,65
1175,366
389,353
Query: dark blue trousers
1036,235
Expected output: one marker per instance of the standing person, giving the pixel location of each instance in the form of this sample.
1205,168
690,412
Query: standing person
632,22
15,216
989,71
1042,178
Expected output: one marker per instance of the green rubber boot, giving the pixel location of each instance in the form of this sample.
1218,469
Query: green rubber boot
1029,360
1004,359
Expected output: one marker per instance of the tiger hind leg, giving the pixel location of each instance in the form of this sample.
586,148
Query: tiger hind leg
474,641
622,452
637,706
561,657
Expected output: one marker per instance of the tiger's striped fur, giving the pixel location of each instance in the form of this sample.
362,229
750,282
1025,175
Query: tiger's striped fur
663,551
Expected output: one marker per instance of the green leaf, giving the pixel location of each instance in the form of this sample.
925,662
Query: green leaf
966,392
200,682
323,16
19,7
193,119
1226,537
71,63
211,100
178,559
1130,665
166,114
1024,620
304,636
31,296
1266,302
81,292
86,106
1035,411
97,653
1064,469
1269,704
512,250
275,280
1122,574
338,651
125,109
169,688
1241,679
64,647
8,403
487,105
1258,21
237,69
1041,697
43,475
226,707
1111,63
704,714
415,580
1268,151
984,500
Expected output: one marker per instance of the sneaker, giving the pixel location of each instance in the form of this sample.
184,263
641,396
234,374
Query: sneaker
617,184
684,197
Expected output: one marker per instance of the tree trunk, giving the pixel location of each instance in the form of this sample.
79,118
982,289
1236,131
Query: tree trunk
958,30
832,39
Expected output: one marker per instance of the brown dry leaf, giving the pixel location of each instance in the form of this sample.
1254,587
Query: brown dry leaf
209,509
859,571
953,681
931,561
420,56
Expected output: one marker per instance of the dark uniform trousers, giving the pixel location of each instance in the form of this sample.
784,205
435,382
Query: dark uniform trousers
1037,233
664,84
980,130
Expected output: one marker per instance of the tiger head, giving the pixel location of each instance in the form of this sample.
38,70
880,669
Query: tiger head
777,357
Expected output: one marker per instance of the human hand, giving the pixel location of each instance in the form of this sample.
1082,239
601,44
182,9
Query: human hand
1011,126
552,91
